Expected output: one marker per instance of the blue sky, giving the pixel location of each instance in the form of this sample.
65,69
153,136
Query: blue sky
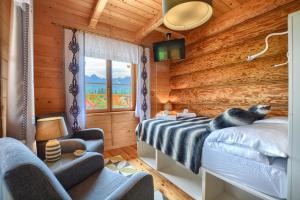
98,67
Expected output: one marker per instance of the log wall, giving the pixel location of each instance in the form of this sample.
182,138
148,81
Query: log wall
160,85
216,75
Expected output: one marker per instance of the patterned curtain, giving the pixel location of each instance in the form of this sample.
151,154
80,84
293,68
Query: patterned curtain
143,106
74,78
20,106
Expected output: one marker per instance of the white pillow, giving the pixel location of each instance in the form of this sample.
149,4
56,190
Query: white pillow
273,120
240,151
267,138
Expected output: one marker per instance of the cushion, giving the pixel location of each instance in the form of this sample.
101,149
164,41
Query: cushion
94,146
67,168
260,111
232,117
98,186
273,120
268,139
239,117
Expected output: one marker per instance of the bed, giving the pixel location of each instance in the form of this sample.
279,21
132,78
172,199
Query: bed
269,179
181,139
264,169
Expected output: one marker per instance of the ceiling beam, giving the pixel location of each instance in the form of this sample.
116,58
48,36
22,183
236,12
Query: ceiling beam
156,22
97,13
165,30
155,25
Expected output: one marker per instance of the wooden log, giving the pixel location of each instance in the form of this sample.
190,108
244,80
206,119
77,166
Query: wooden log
97,13
249,94
234,74
225,56
261,25
214,110
240,14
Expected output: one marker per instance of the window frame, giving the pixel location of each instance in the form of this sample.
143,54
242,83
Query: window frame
109,91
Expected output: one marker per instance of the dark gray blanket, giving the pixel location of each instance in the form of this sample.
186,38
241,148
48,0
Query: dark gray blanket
180,139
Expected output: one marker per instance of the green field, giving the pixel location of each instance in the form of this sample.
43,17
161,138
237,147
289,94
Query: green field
99,101
96,101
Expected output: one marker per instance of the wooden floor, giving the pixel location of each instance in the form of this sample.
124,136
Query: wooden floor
167,188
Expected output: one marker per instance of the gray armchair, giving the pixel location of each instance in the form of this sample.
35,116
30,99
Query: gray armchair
93,138
25,177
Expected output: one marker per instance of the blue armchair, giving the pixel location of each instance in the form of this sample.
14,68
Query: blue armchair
93,139
25,177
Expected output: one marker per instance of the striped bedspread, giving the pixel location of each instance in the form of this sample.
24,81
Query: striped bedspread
181,139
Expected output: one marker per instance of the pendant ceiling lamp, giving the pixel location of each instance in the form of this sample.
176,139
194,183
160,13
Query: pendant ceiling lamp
182,15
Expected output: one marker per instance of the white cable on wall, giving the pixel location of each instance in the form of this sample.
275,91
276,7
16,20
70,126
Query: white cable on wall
282,64
253,57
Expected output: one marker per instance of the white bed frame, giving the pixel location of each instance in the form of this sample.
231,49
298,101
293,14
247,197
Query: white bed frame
205,186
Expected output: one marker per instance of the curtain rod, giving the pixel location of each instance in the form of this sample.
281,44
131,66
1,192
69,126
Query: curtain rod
96,33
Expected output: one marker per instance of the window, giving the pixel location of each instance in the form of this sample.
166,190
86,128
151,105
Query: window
95,84
121,85
109,85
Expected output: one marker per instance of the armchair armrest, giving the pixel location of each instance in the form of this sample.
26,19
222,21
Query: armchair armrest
71,145
139,186
90,134
87,164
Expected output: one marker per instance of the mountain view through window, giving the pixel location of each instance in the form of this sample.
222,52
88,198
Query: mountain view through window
105,80
95,84
121,85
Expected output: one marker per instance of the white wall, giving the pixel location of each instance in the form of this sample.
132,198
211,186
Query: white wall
294,106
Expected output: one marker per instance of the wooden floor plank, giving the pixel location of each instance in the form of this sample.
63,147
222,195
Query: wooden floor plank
160,183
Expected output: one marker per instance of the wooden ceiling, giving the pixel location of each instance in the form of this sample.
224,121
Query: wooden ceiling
130,20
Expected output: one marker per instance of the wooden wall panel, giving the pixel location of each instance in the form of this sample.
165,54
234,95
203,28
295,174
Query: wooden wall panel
216,75
48,51
49,72
103,121
48,60
61,16
118,127
4,54
123,129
